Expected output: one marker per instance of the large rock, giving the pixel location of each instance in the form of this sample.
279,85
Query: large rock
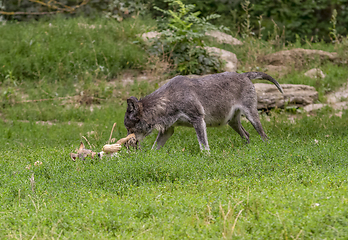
296,57
339,95
268,96
150,35
314,107
223,38
230,58
314,73
317,106
276,71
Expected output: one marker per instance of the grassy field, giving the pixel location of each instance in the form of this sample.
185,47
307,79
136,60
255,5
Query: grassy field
293,187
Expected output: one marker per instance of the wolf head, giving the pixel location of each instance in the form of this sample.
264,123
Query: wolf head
134,119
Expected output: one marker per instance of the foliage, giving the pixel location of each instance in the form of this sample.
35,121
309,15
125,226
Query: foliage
305,18
119,9
246,27
182,32
333,31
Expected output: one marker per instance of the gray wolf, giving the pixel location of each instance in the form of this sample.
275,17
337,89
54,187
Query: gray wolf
209,101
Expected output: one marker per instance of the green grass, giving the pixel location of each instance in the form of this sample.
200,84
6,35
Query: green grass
294,187
291,187
63,49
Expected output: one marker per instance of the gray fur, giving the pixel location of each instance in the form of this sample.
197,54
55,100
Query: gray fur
210,101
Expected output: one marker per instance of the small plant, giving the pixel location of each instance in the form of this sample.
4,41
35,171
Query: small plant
247,28
182,32
333,31
8,92
10,79
260,26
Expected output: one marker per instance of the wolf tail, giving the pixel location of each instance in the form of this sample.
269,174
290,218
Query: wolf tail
261,75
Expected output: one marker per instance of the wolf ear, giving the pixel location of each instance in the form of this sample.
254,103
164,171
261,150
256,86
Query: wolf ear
73,156
133,104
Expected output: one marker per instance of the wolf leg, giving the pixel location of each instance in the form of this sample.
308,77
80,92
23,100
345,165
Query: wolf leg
201,131
162,137
237,126
253,117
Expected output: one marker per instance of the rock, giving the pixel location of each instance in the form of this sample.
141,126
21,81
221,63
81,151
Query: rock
337,100
268,96
338,96
315,73
313,107
335,106
223,38
339,114
297,57
150,35
230,58
276,71
340,105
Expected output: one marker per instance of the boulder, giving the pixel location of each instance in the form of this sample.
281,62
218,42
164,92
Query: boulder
229,57
335,106
276,71
223,38
339,95
315,73
296,57
149,35
340,105
313,107
268,96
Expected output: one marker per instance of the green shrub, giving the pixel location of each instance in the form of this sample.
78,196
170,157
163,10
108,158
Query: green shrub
181,41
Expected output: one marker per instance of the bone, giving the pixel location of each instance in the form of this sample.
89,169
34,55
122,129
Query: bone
112,148
126,139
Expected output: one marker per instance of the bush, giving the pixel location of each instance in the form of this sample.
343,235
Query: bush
181,41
